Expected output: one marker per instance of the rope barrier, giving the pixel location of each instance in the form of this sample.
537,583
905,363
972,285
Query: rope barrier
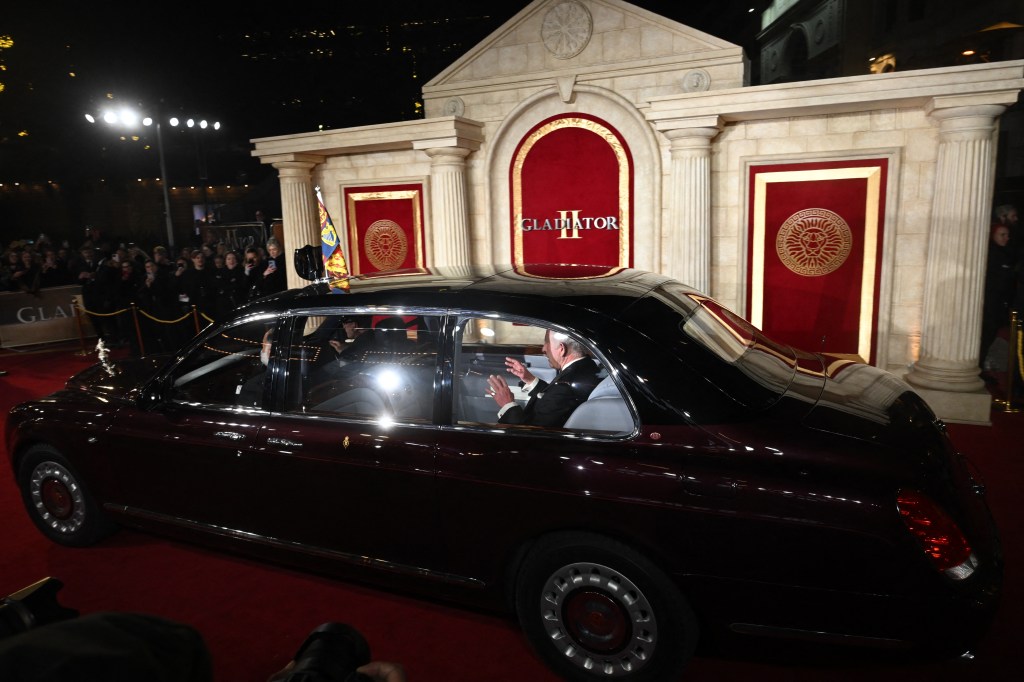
195,314
155,319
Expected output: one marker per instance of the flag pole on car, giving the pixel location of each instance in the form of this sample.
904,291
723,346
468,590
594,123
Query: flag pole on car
335,267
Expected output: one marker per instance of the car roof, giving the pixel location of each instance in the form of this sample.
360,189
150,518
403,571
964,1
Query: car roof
608,289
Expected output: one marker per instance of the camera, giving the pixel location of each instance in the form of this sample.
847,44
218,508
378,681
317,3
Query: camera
331,653
32,607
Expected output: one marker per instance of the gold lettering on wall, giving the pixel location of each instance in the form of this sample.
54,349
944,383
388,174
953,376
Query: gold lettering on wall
572,230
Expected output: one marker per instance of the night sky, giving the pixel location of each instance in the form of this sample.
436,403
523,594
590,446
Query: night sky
189,61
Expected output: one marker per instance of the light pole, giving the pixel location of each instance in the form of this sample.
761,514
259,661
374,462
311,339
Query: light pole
165,183
129,119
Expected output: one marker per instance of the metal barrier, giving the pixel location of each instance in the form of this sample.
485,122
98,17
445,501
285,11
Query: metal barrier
1014,366
44,316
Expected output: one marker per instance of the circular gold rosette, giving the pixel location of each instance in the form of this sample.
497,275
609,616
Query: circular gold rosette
814,242
385,245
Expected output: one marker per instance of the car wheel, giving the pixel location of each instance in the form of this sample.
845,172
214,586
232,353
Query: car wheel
594,608
57,500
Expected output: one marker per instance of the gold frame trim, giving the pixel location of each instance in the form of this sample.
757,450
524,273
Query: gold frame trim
873,175
623,181
353,227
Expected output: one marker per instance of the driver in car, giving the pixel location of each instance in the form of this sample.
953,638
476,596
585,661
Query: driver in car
549,404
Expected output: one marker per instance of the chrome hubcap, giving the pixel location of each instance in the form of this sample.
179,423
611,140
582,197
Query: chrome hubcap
598,619
57,498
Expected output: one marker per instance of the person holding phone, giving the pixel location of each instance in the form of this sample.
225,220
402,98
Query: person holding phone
274,278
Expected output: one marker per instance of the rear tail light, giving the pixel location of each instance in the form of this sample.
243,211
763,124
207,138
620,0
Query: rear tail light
937,533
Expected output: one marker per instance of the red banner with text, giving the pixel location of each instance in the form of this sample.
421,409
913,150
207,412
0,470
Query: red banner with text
571,186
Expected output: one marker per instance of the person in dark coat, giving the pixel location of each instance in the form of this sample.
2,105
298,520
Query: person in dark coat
232,285
53,272
254,266
106,289
1000,283
549,404
158,300
275,278
126,294
197,286
26,274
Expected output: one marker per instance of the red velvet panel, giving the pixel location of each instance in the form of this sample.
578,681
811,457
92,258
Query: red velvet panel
385,227
817,311
574,172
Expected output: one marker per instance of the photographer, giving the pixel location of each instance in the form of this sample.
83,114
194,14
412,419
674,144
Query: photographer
336,652
274,277
42,641
254,267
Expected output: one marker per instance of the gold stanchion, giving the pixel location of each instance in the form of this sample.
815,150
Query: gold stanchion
1011,364
195,317
138,330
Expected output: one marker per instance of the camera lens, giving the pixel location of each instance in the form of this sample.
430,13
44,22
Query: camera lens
332,651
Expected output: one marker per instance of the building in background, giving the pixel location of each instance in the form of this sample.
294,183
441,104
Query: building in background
808,39
847,215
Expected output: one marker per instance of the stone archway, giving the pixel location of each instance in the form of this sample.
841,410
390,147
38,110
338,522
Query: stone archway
635,131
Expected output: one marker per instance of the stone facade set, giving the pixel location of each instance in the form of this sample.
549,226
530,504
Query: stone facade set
694,129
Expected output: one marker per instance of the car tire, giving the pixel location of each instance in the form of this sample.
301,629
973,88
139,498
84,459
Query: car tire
58,501
593,608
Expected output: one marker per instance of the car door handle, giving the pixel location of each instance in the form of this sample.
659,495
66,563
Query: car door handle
233,435
284,442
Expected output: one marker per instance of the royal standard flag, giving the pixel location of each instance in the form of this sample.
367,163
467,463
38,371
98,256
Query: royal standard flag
335,267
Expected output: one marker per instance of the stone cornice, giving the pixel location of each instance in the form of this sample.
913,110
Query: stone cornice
995,83
440,131
632,69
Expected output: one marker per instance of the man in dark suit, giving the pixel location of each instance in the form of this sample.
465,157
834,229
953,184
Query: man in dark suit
549,404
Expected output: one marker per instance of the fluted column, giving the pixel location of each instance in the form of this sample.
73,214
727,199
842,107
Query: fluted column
957,250
299,211
449,206
689,220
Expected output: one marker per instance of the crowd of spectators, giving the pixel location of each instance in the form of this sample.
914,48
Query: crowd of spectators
164,284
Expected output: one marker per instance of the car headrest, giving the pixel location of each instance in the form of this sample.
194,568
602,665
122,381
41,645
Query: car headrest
605,389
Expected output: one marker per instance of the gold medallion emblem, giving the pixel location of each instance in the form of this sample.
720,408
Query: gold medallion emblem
386,245
814,242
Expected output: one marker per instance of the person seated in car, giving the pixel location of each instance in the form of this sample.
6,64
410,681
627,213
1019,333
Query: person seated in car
549,404
337,342
250,390
353,339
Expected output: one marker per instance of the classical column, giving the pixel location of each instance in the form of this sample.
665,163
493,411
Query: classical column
957,250
449,206
299,211
688,225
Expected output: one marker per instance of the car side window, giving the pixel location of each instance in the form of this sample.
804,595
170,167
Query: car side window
594,403
365,366
227,369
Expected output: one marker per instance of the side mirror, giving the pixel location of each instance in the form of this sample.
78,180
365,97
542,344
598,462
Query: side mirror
309,263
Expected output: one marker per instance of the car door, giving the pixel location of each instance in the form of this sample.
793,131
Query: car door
186,456
501,484
346,464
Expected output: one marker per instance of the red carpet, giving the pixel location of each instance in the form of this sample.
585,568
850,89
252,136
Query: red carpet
253,616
